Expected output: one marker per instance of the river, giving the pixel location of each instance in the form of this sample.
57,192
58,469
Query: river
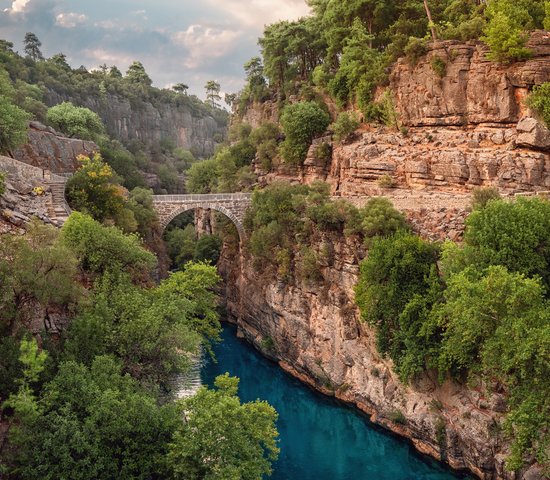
319,438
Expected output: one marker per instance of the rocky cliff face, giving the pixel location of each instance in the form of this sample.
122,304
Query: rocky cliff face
314,332
470,128
52,151
28,194
150,122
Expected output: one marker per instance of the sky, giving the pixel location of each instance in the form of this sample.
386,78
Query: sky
188,41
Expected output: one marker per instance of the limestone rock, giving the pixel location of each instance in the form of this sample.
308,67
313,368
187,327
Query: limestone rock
533,134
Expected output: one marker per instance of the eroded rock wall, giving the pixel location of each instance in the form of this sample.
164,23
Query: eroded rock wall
470,128
314,332
151,122
52,151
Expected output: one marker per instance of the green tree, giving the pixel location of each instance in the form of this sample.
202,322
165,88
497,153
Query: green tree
13,125
396,269
539,100
94,189
32,46
212,93
222,438
496,324
137,75
94,423
102,249
180,88
36,269
380,218
506,30
513,234
77,122
301,123
202,177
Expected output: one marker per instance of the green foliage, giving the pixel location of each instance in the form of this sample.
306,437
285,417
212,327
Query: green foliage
496,323
397,416
94,189
482,196
539,101
345,125
396,269
385,181
77,122
38,268
439,66
415,50
94,423
2,183
123,162
513,234
13,125
301,123
506,30
202,176
102,249
152,331
208,445
283,217
32,46
379,218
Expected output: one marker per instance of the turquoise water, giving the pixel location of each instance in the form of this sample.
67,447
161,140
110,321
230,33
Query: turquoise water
319,439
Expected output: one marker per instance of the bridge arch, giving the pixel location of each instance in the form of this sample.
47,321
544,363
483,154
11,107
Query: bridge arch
232,205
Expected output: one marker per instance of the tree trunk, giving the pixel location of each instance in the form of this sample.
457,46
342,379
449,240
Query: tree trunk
432,27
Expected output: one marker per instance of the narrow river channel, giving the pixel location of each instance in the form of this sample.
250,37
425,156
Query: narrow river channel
319,439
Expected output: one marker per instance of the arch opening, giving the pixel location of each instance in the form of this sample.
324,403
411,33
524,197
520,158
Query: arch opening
165,220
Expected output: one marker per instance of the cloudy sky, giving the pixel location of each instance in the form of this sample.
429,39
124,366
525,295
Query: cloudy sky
189,41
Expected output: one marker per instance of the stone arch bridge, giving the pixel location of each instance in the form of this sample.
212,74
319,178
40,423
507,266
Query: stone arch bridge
233,205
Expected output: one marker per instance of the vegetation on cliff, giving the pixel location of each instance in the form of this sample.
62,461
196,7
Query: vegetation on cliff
31,84
84,400
477,311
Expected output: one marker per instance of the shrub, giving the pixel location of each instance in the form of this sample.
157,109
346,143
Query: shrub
309,265
539,101
345,124
513,234
267,152
13,125
397,416
323,152
301,122
385,181
439,66
415,50
94,189
506,31
380,218
2,183
78,122
102,249
396,269
482,196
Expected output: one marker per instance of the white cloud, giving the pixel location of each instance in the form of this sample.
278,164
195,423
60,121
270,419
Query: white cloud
257,13
70,19
17,6
204,43
99,56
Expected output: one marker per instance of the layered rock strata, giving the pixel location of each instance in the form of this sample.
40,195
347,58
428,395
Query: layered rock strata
314,332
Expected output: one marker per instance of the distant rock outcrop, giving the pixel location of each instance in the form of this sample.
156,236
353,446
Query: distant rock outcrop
52,151
150,121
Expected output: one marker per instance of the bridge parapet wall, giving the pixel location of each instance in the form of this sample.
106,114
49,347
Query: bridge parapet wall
233,205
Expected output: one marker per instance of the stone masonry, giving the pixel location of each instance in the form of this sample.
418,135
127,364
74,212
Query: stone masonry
233,205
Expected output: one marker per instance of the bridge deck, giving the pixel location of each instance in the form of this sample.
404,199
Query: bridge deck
206,197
